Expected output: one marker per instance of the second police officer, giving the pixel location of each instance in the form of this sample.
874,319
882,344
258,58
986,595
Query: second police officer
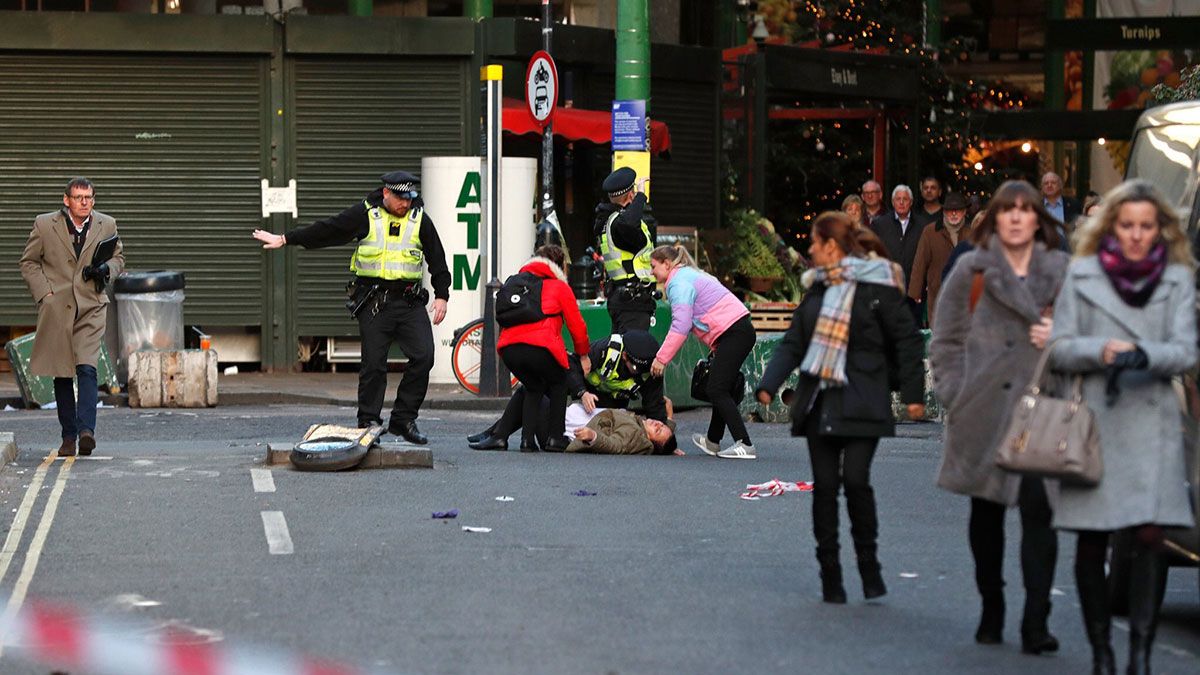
395,240
625,234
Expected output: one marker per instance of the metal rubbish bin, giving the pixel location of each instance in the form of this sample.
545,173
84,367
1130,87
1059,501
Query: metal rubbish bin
149,313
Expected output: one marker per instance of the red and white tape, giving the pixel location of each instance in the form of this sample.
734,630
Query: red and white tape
774,488
60,637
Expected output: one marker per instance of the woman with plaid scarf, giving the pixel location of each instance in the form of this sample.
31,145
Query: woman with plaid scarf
852,322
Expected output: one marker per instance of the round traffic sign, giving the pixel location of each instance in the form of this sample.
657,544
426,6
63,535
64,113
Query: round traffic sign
541,87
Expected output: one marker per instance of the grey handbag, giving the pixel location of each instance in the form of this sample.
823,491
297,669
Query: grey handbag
1052,437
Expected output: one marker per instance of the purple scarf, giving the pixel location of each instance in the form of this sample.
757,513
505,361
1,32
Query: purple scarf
1133,281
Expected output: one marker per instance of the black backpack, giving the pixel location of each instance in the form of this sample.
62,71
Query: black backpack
519,300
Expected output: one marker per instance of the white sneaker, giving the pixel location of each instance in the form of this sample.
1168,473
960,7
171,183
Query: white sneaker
738,450
708,447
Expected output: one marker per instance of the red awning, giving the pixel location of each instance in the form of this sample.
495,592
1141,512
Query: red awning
577,124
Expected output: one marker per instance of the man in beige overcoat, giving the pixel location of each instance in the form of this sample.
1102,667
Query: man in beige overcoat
69,291
933,251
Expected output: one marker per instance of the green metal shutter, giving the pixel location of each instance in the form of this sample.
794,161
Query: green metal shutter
684,189
354,120
174,145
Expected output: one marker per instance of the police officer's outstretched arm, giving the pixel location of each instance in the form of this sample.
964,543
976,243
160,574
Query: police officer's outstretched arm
435,260
345,227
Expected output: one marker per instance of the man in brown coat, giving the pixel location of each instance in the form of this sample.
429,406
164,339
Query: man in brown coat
69,291
937,241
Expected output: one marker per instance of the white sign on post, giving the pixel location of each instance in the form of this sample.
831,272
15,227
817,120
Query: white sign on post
279,200
541,87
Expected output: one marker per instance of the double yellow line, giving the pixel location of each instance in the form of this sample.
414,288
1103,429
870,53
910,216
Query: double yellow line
12,542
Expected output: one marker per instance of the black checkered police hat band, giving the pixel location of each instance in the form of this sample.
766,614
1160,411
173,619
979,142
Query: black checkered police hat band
401,187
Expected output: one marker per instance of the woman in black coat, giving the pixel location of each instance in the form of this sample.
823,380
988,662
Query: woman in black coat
852,322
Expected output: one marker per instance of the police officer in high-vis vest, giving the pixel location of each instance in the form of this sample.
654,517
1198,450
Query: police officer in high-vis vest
625,235
620,373
395,240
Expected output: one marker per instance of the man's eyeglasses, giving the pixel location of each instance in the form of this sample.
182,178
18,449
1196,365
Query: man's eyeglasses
871,192
82,198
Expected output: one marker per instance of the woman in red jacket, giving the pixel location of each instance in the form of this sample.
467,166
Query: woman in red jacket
535,352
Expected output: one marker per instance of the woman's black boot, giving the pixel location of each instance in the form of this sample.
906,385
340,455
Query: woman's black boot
529,446
1035,633
832,590
991,619
1147,585
1097,616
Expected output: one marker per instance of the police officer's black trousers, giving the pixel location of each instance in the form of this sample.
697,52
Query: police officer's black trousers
406,323
628,313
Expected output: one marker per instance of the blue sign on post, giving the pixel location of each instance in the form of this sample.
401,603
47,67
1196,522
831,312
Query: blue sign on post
629,126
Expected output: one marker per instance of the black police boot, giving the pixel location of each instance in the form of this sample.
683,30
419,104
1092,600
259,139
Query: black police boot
475,438
490,442
408,431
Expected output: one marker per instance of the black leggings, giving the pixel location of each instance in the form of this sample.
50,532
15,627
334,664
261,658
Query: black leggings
1039,544
541,376
729,352
845,462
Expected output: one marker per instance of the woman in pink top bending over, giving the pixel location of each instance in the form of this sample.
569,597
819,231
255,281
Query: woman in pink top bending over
701,304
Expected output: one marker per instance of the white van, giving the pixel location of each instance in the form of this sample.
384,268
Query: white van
1166,152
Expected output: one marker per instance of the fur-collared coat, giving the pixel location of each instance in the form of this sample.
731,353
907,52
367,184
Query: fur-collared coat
71,322
983,360
1141,437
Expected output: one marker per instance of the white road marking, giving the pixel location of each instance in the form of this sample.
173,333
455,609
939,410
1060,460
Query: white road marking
263,482
35,549
279,542
13,540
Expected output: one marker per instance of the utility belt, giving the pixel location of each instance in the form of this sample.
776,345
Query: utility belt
372,295
632,288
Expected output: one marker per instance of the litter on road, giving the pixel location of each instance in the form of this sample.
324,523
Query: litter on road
468,528
452,513
583,493
504,499
774,488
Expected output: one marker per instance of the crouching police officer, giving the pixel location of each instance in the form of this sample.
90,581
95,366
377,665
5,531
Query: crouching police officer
620,373
625,233
395,237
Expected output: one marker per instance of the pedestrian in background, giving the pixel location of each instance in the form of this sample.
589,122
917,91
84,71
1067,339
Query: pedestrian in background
536,354
853,206
933,250
994,317
931,201
872,196
1126,322
899,230
700,303
71,305
852,318
397,241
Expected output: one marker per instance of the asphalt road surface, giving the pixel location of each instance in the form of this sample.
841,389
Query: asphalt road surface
664,570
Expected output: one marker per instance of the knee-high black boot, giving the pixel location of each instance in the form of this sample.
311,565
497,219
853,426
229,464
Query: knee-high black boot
986,533
1097,616
1147,585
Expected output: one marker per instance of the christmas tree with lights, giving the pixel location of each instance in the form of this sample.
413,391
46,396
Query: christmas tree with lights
813,165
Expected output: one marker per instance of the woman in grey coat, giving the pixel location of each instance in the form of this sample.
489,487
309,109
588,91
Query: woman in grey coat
1126,322
993,319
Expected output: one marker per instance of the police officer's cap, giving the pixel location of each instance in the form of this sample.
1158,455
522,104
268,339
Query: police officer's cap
403,183
619,182
640,348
